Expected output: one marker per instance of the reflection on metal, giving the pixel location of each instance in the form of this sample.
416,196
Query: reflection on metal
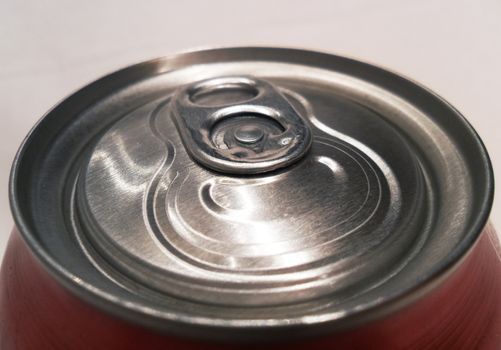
302,229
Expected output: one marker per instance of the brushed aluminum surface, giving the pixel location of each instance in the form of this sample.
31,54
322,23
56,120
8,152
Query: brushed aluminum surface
391,195
339,221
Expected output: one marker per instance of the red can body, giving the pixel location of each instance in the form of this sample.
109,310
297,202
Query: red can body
464,312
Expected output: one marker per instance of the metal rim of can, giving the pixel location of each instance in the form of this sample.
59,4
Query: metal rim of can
109,302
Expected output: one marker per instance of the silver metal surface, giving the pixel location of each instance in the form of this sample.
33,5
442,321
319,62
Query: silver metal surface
389,195
276,238
239,125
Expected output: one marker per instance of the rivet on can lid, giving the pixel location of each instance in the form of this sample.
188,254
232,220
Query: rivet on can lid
249,134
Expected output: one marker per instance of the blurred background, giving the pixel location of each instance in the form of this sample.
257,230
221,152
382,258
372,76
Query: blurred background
48,49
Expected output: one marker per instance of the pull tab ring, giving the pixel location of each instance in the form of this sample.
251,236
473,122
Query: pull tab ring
259,132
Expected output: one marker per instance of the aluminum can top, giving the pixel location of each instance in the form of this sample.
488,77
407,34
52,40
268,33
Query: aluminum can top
243,191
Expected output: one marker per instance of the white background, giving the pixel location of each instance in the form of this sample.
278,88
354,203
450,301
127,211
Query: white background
48,49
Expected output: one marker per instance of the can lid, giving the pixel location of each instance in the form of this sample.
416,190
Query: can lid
251,189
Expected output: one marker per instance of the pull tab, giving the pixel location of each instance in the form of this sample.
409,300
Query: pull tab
239,125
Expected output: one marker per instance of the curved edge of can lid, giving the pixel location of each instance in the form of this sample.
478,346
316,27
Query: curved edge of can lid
370,312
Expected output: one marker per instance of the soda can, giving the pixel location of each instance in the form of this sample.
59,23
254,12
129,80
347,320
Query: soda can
251,198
